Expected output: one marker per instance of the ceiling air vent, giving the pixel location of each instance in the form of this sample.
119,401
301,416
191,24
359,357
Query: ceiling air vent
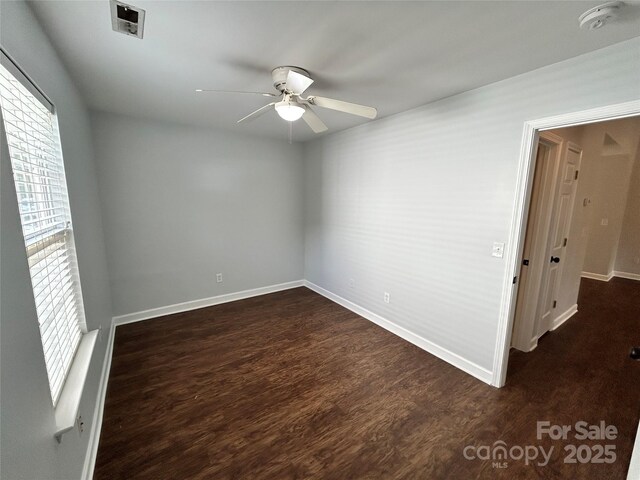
127,19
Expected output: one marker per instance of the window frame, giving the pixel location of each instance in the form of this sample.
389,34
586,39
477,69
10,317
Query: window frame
66,362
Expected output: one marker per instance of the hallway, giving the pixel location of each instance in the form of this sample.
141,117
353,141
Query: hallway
582,370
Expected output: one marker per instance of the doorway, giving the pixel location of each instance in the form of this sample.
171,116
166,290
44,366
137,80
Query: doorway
566,241
596,282
528,158
548,229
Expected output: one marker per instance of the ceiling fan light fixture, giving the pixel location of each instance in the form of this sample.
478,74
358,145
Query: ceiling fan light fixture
289,111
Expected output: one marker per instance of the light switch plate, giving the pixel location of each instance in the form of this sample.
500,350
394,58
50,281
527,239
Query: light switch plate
498,249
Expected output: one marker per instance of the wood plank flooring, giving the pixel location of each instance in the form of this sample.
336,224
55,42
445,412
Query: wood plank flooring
292,386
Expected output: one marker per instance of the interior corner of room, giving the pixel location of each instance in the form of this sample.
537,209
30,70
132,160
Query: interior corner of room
276,283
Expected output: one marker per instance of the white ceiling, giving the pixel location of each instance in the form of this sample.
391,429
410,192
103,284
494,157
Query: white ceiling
390,55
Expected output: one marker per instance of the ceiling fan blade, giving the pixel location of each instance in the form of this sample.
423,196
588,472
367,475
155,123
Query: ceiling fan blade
297,83
264,94
313,120
257,113
346,107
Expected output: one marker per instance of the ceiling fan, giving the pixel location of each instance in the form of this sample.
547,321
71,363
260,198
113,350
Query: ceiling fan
292,82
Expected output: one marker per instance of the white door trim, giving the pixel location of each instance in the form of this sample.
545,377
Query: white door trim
519,219
523,335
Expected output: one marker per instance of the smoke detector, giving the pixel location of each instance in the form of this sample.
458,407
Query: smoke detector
597,17
127,19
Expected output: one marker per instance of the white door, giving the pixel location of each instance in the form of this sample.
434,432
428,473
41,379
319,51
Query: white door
558,238
541,202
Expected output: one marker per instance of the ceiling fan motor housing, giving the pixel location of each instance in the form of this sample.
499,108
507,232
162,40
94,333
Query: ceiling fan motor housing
279,75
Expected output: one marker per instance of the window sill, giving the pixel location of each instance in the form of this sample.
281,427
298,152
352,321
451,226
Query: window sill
66,410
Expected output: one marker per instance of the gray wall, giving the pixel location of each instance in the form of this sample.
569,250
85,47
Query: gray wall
182,203
608,186
628,254
411,204
29,450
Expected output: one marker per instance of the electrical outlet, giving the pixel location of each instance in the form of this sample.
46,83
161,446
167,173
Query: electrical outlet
498,250
80,425
604,222
219,277
387,297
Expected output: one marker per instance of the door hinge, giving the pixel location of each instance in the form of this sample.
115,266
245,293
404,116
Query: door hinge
525,261
515,279
564,244
555,302
577,171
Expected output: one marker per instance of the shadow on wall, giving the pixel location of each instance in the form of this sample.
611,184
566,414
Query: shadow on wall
613,180
605,227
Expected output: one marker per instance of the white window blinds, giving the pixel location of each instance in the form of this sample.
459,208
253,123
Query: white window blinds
38,171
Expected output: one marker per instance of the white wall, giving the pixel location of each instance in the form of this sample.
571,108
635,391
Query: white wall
628,254
411,204
607,182
182,203
29,450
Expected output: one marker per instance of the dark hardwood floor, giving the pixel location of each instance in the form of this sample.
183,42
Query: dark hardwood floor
291,385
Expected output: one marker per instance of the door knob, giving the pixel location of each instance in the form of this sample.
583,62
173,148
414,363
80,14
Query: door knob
555,259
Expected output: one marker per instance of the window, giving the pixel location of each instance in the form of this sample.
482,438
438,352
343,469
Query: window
38,172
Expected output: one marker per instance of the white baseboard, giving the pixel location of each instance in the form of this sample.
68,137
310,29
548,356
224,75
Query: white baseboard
627,275
440,352
533,344
597,276
570,312
96,424
203,302
606,278
563,317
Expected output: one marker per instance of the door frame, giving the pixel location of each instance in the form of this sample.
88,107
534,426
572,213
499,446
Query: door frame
517,231
530,280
